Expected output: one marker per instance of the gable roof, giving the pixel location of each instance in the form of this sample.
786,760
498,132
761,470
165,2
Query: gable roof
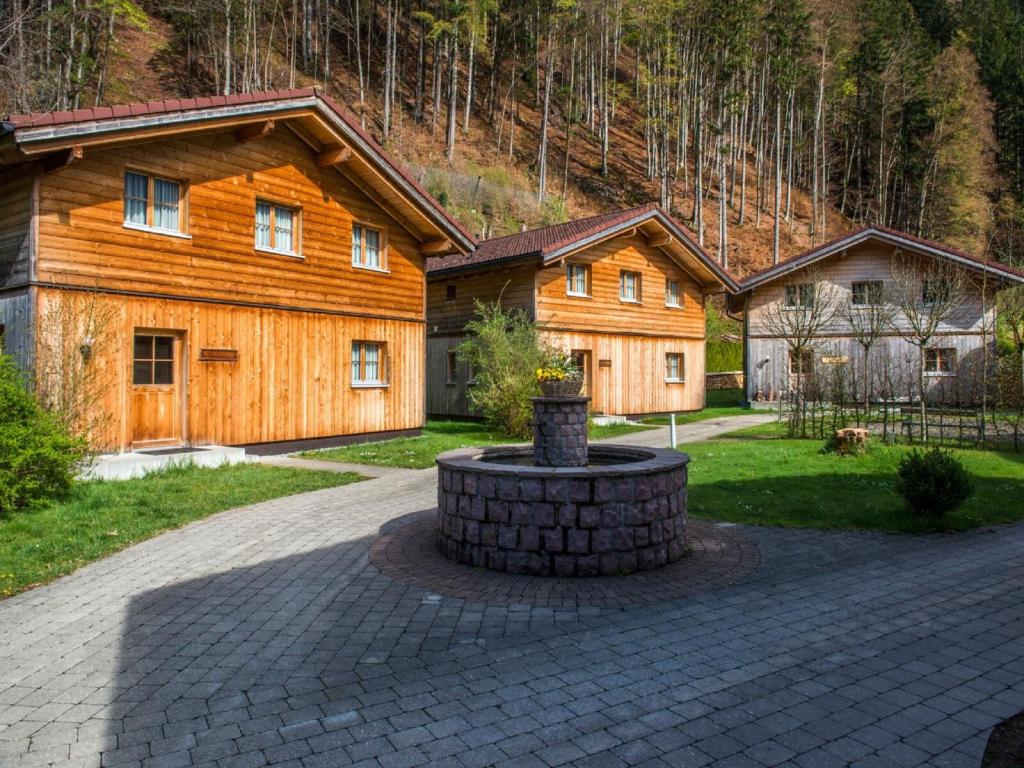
548,244
26,136
893,237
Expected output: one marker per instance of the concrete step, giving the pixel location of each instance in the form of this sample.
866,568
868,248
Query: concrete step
124,466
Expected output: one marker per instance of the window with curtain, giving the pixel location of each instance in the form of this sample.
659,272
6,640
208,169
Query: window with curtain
136,199
166,204
576,279
277,228
368,363
674,366
673,297
151,202
367,248
629,286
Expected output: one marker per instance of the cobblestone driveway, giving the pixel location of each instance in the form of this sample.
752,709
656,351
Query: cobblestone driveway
264,636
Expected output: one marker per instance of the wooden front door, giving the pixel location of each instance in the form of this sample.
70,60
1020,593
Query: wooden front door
157,388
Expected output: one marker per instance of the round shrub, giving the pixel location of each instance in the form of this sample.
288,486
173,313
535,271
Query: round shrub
932,483
38,457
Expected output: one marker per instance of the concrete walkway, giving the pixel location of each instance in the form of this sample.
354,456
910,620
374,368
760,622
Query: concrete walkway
263,636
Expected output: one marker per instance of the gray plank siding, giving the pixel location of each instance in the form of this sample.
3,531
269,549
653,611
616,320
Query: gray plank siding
16,317
15,228
893,367
446,398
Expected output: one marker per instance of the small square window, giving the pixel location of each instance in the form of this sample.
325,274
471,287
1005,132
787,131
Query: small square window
153,203
629,287
802,364
368,363
674,366
867,293
577,279
367,248
940,361
800,295
277,228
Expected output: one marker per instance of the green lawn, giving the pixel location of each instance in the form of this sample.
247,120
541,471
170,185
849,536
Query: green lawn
438,436
751,476
720,402
99,518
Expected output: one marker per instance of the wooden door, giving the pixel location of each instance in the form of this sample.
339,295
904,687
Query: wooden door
157,388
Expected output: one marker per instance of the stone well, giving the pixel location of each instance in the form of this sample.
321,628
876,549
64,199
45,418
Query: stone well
561,508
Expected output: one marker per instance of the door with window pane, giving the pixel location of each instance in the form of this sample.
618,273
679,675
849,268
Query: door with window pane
156,388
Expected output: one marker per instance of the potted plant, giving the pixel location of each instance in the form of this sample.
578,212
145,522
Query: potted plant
559,376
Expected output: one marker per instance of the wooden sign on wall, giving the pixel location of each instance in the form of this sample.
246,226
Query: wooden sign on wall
604,363
218,355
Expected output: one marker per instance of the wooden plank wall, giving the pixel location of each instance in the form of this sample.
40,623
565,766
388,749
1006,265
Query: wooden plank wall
16,318
444,399
635,383
603,311
513,285
82,241
15,225
291,380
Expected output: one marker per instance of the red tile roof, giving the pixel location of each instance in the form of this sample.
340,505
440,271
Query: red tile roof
820,251
539,243
16,122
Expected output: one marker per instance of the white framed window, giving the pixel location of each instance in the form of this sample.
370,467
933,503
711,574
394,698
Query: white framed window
800,295
675,369
154,204
940,361
673,296
369,364
277,228
577,279
867,293
367,248
629,286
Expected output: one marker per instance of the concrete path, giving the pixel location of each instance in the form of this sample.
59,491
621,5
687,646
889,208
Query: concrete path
263,636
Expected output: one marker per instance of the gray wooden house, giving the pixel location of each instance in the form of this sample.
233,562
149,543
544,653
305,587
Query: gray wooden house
865,279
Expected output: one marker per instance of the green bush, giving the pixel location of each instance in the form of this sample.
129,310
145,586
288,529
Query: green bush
505,352
932,483
724,356
38,457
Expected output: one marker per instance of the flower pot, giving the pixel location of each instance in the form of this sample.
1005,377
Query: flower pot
563,388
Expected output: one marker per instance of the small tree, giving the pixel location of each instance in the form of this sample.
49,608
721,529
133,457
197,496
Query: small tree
71,379
38,458
504,351
800,316
869,321
927,294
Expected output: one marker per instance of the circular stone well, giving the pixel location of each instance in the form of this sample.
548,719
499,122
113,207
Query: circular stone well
625,511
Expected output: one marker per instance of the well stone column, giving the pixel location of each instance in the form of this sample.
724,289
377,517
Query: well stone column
560,431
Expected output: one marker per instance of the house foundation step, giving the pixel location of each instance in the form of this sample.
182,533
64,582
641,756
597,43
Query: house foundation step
138,463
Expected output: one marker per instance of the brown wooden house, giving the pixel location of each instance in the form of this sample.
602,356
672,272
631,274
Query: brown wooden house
263,259
624,292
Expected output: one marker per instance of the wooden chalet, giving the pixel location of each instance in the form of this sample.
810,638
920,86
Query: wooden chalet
624,292
262,257
859,269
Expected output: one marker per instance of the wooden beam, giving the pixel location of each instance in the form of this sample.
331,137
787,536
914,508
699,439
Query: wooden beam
63,158
333,156
659,240
254,131
436,248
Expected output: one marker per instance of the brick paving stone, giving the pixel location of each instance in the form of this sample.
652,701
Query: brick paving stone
265,635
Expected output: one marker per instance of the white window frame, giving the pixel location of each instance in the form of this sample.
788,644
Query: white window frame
637,297
296,228
677,302
800,300
359,232
680,377
869,285
359,363
572,269
150,205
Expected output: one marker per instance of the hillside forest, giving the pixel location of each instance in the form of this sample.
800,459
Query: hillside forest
765,126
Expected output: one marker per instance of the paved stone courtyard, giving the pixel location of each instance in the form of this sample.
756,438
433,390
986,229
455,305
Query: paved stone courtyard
265,636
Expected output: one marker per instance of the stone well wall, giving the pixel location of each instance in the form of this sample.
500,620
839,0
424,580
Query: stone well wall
564,521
